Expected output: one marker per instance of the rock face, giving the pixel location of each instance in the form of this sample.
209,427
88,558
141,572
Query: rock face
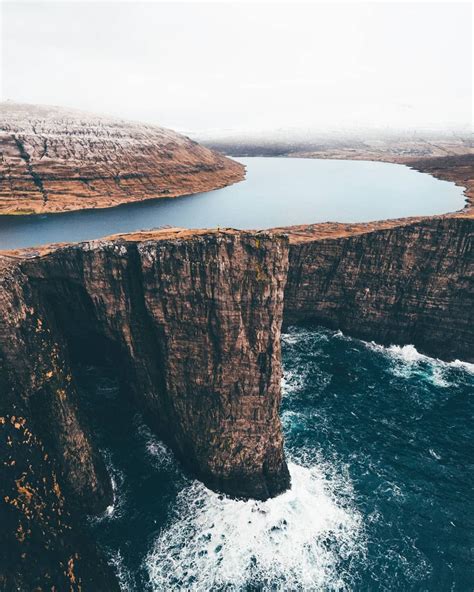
193,322
43,546
56,160
191,319
413,283
406,281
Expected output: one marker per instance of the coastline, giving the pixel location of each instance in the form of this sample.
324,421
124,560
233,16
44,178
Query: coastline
57,160
456,169
135,300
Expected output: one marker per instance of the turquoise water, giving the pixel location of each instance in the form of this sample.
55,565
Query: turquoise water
276,192
381,454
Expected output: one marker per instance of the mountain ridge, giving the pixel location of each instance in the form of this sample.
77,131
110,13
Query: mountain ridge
55,160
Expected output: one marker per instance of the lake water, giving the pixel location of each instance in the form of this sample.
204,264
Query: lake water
380,448
276,192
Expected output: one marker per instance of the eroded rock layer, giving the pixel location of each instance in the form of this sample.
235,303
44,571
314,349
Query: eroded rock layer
191,321
43,545
408,283
58,160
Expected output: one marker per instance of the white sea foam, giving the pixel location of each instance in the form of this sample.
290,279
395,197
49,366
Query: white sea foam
438,377
117,479
407,354
125,579
466,366
110,509
407,360
297,334
160,455
434,454
292,381
296,541
290,338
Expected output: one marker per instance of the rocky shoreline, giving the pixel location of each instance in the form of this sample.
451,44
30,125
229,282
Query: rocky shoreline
193,320
400,281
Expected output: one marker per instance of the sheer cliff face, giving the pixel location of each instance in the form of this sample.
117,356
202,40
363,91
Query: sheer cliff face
43,546
409,283
192,322
55,160
406,281
190,319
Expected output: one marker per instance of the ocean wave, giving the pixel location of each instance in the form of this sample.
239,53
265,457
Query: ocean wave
407,354
297,333
117,479
296,541
160,455
124,576
407,361
292,381
410,355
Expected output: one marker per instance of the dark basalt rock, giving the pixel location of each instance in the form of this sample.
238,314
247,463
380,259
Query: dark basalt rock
409,284
44,546
192,320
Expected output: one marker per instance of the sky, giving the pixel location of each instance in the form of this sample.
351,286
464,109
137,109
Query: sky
244,66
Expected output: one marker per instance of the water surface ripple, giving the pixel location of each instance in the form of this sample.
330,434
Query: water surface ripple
276,192
380,444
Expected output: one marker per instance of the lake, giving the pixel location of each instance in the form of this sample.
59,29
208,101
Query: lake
276,192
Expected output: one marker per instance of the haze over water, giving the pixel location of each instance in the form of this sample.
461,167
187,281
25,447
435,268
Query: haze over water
276,192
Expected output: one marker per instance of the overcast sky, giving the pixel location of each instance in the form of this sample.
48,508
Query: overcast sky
254,66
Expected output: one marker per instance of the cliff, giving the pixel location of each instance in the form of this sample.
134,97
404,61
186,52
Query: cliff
44,546
57,160
400,281
407,283
191,319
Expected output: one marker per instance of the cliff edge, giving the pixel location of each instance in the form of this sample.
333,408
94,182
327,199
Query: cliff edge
191,320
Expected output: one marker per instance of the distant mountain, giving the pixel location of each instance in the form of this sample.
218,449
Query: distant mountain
55,160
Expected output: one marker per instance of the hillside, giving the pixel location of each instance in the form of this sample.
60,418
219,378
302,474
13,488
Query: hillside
55,160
